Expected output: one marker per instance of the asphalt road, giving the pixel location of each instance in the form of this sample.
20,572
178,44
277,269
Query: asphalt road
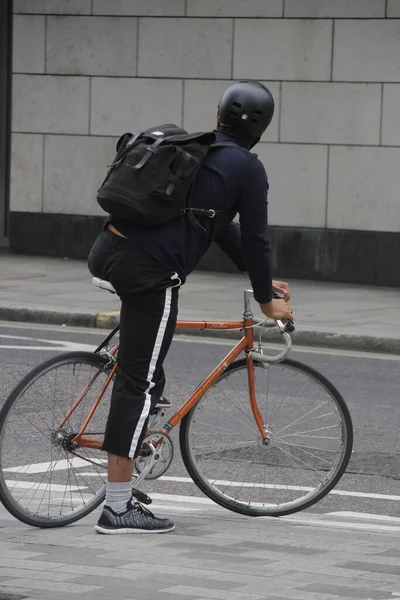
370,384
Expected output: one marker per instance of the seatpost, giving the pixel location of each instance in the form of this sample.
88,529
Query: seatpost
248,294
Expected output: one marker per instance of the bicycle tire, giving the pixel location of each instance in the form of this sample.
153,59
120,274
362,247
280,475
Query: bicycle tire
31,461
208,457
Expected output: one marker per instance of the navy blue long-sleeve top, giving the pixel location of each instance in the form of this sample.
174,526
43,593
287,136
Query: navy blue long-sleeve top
232,181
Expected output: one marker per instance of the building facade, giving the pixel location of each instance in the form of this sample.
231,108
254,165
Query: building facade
86,71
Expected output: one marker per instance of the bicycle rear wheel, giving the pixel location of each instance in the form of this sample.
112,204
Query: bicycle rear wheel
43,482
310,433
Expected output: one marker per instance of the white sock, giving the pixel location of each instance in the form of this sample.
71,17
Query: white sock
118,495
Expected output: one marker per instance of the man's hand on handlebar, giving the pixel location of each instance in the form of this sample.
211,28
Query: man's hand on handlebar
277,309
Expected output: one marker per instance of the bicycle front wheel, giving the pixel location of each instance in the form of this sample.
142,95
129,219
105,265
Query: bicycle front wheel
44,482
310,439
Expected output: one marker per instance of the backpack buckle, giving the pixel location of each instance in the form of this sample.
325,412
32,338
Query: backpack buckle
209,213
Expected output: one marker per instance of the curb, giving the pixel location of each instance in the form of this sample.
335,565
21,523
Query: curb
47,317
107,320
300,338
318,339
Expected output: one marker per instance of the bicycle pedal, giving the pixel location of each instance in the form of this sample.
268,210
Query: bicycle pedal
141,497
158,412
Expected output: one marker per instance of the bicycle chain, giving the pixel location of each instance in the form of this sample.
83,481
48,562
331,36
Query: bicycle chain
93,462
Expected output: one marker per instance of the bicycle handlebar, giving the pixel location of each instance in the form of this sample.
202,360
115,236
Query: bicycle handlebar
284,330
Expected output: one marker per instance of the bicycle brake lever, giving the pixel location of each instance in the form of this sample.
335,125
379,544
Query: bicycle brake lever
289,326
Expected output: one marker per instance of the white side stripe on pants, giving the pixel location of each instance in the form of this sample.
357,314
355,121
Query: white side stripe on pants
153,362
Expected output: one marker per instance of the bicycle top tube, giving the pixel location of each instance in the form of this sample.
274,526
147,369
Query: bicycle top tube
213,325
189,324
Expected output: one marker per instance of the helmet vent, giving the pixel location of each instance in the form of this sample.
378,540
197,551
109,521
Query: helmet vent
234,113
258,112
236,104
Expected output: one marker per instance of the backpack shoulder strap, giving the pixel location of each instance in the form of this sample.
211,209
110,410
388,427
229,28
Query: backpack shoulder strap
209,213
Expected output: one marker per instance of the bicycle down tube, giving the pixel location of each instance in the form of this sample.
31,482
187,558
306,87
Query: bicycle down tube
246,342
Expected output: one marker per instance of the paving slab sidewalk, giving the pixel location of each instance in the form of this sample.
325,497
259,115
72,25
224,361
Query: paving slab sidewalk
59,291
211,554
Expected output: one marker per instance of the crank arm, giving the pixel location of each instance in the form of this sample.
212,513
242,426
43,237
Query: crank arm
150,462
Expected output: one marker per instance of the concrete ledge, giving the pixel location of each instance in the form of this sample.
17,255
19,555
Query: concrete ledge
298,252
107,320
319,339
363,343
48,317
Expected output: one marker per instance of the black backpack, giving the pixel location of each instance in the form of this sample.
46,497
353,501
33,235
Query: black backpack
149,179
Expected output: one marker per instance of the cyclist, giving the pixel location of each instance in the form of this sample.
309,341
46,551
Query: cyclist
146,266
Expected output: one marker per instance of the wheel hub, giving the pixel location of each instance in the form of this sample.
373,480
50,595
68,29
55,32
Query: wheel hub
269,441
59,437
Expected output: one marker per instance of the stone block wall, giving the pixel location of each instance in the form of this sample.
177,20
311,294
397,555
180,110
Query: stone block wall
86,71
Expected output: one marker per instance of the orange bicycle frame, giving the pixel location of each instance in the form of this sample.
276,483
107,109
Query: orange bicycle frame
245,343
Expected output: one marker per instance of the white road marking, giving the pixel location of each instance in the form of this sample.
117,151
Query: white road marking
343,514
78,462
30,485
16,337
376,523
326,522
66,348
59,465
193,340
54,328
369,516
184,499
192,504
299,349
196,504
52,345
286,487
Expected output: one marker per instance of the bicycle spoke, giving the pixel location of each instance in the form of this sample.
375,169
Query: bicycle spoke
227,457
204,424
241,410
42,480
301,418
304,464
307,452
306,433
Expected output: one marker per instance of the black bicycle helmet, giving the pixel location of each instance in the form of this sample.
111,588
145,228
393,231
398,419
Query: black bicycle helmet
245,110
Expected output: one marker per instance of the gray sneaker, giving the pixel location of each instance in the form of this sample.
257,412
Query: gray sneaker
136,519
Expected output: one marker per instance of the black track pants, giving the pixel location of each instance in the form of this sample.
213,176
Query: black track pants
148,320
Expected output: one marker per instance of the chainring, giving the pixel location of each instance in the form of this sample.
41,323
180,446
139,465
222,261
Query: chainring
164,450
